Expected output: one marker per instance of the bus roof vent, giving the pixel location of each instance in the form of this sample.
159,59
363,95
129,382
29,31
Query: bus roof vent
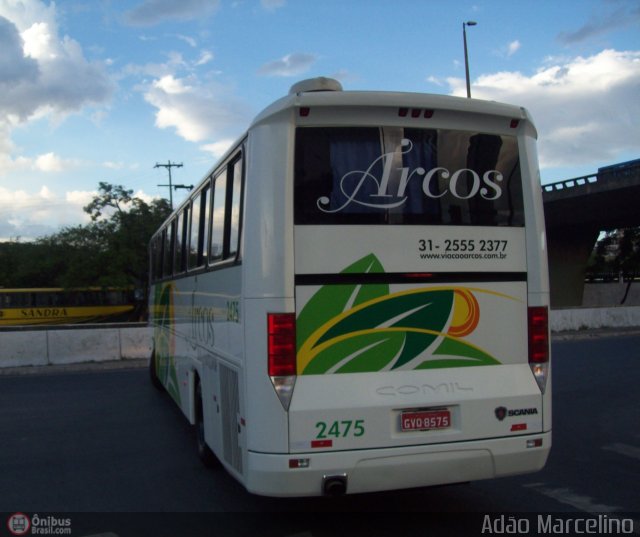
320,83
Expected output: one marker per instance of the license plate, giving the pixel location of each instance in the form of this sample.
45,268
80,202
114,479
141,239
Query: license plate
423,420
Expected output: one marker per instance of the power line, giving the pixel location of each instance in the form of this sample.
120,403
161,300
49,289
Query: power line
171,186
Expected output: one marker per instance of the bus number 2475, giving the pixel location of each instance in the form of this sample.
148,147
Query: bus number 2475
340,429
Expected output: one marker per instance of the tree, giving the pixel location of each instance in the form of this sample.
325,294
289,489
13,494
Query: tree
109,251
25,264
629,257
129,227
618,252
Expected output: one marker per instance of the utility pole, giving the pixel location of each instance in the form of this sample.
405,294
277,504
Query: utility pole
171,186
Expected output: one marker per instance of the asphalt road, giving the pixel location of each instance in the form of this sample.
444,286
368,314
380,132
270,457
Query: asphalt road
104,445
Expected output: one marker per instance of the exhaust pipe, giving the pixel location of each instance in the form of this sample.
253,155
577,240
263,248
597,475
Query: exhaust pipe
334,485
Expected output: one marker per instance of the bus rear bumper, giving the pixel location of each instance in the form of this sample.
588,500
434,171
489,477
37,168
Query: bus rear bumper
396,468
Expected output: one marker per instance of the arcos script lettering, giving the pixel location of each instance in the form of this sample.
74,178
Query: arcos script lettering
355,183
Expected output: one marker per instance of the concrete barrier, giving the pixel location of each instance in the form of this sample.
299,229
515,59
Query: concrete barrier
605,295
23,348
564,320
34,346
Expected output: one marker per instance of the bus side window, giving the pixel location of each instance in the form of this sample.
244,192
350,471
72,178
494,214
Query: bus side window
180,259
216,249
236,202
199,229
169,245
177,250
157,256
195,232
205,221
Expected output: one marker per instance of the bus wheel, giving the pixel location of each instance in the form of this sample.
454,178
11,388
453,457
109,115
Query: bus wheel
204,451
153,374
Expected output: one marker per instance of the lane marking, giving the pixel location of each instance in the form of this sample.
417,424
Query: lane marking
569,497
624,449
583,503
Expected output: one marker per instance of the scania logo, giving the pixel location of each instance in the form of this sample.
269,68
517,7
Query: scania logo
502,413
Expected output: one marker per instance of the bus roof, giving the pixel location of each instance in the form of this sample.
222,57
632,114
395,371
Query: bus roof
327,92
334,97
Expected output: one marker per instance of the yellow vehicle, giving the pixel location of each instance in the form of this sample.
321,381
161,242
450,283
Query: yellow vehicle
67,306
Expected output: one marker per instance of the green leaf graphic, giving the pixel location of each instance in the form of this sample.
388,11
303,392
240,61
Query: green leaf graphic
360,352
455,347
165,342
332,300
362,328
422,310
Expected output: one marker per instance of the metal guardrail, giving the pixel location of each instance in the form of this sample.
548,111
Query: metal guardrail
610,277
571,183
622,171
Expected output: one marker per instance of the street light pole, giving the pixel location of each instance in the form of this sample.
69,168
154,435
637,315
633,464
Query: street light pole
466,54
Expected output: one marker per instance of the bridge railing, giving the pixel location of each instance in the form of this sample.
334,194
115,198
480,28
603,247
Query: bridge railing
623,172
571,183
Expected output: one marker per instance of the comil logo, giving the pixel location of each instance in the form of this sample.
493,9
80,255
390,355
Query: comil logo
19,524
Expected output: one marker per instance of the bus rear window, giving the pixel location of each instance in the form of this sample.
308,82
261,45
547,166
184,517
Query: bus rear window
395,175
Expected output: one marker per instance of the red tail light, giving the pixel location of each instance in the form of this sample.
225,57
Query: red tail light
282,344
538,335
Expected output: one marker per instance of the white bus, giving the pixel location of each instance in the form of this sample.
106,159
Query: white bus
356,297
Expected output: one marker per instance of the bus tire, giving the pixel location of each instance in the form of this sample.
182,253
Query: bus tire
153,374
205,454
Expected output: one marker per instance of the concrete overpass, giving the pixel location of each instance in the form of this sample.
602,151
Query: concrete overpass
576,211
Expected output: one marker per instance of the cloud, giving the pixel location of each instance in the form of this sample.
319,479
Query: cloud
188,40
31,215
272,5
15,67
290,65
601,24
205,57
79,198
218,149
171,86
152,12
435,80
513,47
36,67
507,50
49,162
586,109
198,111
175,63
22,213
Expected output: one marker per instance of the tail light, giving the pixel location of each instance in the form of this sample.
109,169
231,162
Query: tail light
538,320
281,350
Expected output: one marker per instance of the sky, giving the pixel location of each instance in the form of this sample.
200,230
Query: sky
103,90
